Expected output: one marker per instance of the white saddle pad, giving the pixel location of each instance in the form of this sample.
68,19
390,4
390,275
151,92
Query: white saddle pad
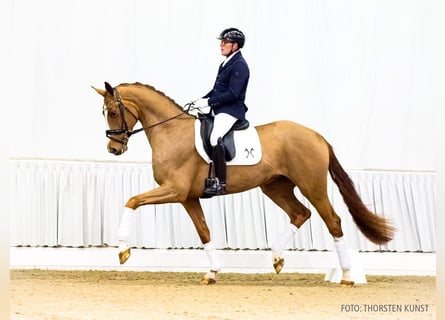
247,145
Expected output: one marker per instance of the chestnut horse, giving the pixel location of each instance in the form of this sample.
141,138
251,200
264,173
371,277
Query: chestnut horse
292,156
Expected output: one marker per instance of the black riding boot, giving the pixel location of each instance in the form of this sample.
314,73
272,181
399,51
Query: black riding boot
216,186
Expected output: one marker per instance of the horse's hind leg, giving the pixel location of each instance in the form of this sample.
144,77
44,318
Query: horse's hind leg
281,191
333,222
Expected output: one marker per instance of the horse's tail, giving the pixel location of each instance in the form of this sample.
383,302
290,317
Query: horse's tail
376,228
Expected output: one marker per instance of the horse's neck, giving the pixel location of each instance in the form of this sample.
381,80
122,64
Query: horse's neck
163,116
156,107
155,111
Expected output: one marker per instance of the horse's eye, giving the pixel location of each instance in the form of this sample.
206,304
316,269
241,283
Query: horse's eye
112,114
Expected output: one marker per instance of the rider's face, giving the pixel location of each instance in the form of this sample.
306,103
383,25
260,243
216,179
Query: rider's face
227,47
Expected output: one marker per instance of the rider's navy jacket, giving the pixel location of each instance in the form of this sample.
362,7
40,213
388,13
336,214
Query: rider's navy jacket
229,92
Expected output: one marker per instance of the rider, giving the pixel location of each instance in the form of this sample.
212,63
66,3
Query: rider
226,100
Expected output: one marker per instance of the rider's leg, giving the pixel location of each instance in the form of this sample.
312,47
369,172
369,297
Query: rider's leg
219,161
223,123
217,185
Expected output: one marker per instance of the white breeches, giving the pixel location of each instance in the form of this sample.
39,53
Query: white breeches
223,123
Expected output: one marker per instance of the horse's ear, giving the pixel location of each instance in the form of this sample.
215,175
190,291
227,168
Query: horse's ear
99,91
109,88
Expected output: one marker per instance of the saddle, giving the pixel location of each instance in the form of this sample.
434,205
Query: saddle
207,121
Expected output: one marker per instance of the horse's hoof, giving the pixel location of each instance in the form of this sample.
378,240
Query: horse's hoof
124,255
346,283
278,264
207,281
209,278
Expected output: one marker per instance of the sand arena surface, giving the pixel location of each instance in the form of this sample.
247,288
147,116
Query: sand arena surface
46,294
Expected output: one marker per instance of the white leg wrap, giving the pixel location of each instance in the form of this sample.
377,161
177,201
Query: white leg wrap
124,227
210,249
283,240
343,256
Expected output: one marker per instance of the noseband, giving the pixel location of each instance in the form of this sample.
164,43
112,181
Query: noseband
124,127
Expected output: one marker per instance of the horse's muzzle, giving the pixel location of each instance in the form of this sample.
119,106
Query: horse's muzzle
117,151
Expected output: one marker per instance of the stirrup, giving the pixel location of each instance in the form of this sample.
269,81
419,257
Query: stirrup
213,187
209,182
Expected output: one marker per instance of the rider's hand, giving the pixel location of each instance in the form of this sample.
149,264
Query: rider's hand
200,106
201,103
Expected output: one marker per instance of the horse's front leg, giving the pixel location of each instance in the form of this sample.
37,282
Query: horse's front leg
162,194
195,212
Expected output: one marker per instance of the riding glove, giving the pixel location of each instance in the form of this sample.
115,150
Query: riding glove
201,106
201,103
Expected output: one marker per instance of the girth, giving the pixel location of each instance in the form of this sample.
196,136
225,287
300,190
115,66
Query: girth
228,142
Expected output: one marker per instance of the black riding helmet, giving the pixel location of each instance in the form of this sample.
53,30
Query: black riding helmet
233,35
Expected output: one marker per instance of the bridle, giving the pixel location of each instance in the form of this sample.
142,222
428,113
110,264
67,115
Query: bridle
124,127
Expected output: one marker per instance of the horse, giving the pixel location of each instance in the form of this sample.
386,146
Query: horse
293,156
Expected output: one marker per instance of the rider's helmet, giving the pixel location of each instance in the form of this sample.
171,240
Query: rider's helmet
233,35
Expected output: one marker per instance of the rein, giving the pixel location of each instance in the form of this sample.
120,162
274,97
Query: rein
124,127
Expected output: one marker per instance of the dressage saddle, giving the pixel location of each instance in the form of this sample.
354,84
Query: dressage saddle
207,121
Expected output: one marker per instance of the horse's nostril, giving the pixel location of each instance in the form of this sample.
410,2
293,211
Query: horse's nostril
117,151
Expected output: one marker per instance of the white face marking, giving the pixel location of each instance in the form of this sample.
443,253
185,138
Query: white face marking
105,111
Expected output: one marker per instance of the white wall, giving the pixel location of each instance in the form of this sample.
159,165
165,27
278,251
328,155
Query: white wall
362,73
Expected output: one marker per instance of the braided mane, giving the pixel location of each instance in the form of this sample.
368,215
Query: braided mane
151,88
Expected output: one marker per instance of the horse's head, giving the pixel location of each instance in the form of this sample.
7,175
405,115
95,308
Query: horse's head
119,117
